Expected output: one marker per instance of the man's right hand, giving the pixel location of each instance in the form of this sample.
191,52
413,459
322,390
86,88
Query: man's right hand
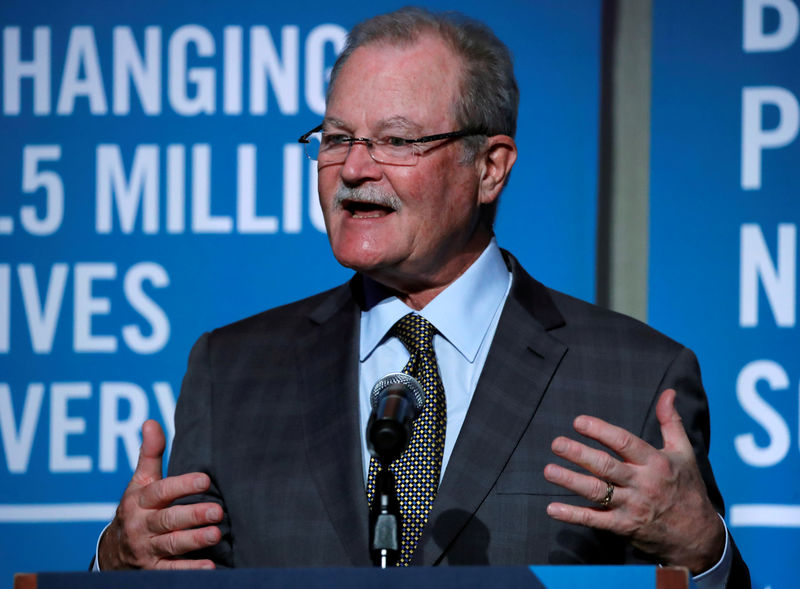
148,532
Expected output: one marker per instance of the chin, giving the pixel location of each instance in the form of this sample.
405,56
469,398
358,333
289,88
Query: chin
359,261
361,253
368,261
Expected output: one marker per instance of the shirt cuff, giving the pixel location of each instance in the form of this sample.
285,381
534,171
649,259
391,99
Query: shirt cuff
717,576
96,564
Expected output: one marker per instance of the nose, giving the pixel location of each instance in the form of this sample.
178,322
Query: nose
359,166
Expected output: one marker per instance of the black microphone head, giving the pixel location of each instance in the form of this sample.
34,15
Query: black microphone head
399,379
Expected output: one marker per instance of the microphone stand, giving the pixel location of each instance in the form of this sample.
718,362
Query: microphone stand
396,400
385,521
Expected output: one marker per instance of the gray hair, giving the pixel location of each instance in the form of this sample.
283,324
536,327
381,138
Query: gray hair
489,96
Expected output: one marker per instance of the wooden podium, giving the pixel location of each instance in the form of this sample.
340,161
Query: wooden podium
533,577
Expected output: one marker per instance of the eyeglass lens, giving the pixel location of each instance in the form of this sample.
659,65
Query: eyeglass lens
333,149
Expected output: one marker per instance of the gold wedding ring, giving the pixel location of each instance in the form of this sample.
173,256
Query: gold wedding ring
606,501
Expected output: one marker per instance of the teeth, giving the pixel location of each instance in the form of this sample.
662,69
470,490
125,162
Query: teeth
374,215
366,210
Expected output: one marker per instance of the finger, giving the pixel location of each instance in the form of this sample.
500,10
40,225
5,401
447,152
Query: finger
182,564
149,467
164,492
183,541
598,462
617,439
672,430
584,516
182,517
586,486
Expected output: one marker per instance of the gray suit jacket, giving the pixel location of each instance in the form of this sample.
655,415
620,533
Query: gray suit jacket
269,409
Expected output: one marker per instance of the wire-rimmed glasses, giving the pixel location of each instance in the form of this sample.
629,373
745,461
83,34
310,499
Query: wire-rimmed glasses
333,148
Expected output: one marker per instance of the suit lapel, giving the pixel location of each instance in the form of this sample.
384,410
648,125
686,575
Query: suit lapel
521,362
331,422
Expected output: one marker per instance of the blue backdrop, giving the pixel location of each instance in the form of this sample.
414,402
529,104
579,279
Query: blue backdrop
152,189
723,251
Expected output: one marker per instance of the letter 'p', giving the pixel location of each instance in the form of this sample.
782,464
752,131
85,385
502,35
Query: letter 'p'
755,138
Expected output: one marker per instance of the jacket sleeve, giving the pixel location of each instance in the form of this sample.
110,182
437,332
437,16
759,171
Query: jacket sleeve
192,448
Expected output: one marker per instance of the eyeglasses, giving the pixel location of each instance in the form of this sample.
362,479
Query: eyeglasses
333,148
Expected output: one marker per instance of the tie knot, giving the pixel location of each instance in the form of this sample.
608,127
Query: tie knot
415,332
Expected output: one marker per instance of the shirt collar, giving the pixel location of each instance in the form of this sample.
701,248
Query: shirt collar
462,313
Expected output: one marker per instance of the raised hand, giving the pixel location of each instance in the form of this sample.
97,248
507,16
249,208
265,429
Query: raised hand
657,498
148,532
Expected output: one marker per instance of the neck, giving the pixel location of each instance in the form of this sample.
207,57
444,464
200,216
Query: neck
416,290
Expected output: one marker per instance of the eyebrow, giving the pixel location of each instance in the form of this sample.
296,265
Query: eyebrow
333,122
397,121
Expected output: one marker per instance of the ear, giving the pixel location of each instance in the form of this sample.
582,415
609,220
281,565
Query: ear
496,160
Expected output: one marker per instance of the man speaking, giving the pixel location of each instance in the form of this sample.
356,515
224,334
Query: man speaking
552,431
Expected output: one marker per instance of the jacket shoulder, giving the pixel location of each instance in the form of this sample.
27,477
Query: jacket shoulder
289,317
579,323
591,322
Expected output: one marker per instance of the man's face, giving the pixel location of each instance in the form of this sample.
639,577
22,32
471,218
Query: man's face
428,232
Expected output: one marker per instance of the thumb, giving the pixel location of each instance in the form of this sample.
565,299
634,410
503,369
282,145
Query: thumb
149,467
671,424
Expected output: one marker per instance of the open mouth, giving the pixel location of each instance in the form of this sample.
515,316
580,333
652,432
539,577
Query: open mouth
366,210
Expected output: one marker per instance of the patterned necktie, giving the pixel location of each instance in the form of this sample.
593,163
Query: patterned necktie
418,469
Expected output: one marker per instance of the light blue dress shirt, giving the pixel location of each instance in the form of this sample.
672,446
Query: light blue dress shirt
465,315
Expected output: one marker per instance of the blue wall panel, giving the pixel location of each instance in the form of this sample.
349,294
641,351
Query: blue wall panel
723,253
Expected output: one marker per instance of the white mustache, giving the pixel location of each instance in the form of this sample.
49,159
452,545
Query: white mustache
367,194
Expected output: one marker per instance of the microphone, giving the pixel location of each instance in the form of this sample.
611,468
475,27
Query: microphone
396,400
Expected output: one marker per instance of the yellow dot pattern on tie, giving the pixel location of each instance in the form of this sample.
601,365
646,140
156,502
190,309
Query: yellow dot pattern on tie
418,469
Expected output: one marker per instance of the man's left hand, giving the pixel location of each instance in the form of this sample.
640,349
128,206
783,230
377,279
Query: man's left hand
659,500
